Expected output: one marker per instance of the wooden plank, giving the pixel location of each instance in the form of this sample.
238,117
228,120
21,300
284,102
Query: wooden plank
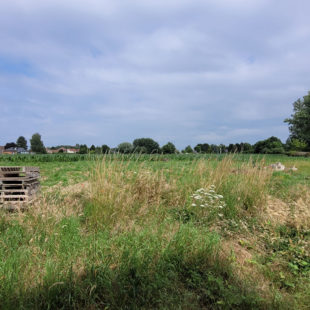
25,170
14,196
16,186
13,190
19,179
13,173
11,168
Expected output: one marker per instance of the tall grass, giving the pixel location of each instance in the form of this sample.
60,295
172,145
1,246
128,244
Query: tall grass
133,239
129,192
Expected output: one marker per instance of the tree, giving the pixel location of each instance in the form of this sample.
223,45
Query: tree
83,149
299,123
22,142
296,145
36,143
9,145
232,148
202,148
146,145
169,148
105,149
246,147
197,148
272,145
188,149
214,148
125,148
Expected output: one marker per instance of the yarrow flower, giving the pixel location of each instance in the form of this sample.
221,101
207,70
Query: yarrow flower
208,198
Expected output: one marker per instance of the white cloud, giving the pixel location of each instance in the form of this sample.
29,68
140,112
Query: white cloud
181,70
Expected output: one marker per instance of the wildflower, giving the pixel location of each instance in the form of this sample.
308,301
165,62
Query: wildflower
208,198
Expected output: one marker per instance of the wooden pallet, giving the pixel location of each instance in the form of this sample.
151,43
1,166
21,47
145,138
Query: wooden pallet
18,185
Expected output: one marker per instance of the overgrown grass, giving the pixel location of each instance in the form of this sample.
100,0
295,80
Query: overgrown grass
136,234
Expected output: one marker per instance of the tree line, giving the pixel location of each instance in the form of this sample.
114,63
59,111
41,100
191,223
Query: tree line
36,144
298,141
272,145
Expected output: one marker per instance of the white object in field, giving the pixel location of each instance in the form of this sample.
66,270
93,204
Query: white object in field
277,167
293,168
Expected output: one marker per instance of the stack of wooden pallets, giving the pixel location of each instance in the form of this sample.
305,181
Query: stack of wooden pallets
18,185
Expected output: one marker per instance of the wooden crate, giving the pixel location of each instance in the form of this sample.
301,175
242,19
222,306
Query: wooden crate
18,185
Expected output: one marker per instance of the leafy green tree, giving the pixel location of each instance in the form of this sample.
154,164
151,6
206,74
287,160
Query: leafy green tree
197,148
125,148
202,148
246,147
37,145
272,145
105,149
296,145
10,144
22,142
98,150
188,149
146,144
169,148
140,150
83,149
214,148
232,148
299,123
222,148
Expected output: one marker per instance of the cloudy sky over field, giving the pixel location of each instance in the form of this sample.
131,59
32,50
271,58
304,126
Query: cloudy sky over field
186,71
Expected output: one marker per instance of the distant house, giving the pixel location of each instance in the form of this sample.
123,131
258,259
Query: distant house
62,150
1,149
15,150
21,150
73,151
50,151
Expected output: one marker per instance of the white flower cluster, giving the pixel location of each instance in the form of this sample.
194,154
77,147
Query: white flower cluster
208,198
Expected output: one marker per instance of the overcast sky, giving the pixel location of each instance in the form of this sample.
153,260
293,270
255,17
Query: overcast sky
187,71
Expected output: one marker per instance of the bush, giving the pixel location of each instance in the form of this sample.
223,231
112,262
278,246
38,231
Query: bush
169,148
149,145
125,148
272,145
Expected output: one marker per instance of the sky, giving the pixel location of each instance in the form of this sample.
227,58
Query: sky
186,71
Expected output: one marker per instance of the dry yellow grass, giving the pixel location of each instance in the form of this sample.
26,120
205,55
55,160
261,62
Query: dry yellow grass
295,213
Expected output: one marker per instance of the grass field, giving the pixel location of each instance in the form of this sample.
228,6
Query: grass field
159,232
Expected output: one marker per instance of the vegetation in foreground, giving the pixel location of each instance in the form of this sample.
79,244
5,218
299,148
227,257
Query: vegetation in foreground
211,232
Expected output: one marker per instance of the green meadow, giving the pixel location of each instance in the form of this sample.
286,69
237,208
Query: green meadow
159,232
